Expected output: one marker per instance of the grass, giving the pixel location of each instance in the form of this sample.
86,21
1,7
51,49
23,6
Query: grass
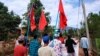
98,44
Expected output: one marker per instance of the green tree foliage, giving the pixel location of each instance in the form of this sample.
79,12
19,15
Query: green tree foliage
8,21
73,31
94,28
93,24
38,7
93,20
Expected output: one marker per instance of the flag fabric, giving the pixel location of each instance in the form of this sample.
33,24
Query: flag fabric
63,19
32,19
42,21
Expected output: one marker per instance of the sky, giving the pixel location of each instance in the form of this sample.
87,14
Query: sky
72,9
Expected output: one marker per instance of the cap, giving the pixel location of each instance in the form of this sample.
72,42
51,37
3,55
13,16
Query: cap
46,39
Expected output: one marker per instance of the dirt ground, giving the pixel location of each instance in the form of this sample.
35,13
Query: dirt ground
81,53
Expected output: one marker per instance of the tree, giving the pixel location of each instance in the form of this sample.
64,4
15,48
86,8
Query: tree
73,31
94,27
8,21
38,8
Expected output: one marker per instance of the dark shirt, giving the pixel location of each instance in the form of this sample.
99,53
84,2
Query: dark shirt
33,47
69,44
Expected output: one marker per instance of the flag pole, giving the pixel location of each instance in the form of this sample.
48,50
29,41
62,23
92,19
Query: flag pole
86,24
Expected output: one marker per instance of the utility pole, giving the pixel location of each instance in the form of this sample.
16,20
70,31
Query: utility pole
86,24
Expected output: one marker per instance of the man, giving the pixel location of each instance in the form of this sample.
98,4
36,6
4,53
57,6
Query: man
46,50
84,45
56,45
69,45
20,50
34,46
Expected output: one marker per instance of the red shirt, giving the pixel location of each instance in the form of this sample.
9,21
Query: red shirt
61,39
20,50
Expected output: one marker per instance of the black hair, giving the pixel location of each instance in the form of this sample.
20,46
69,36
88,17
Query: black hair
21,41
45,34
60,35
84,35
35,36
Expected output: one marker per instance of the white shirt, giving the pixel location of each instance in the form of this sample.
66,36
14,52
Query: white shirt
57,47
46,51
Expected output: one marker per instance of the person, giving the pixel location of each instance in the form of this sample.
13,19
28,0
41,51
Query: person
46,50
56,45
84,45
34,46
50,36
42,43
21,36
16,40
61,38
69,45
20,50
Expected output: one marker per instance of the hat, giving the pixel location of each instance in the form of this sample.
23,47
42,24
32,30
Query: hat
46,39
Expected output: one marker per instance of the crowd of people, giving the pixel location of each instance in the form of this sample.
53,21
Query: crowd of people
44,46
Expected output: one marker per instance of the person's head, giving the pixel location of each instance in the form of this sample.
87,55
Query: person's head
69,36
60,35
23,30
21,41
46,39
18,32
83,35
35,36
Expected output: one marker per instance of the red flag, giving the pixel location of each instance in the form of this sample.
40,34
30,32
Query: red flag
42,21
63,19
32,19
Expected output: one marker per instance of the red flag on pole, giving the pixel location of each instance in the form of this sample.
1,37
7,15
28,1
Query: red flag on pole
32,19
42,21
63,19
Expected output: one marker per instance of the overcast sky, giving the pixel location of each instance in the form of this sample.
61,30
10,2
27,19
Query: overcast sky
71,8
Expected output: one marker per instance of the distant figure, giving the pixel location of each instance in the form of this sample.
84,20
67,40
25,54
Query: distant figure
56,45
69,45
46,50
21,36
20,50
61,38
34,46
50,36
84,45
